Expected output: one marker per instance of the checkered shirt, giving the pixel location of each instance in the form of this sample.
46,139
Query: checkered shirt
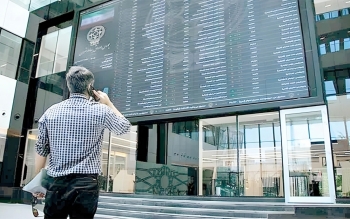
72,133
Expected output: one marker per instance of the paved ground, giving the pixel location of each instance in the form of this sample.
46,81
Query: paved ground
20,211
17,211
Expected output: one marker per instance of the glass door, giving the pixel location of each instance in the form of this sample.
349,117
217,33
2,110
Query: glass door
307,156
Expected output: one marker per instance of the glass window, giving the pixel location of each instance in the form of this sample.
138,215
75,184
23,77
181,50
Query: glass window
188,129
54,51
345,11
337,129
323,49
104,160
47,54
334,14
347,43
330,89
122,162
260,159
326,15
298,130
316,130
251,168
334,46
251,133
307,175
62,50
266,135
347,85
29,162
277,132
10,48
339,117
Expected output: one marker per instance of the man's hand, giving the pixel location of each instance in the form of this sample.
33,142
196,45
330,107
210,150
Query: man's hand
39,195
104,99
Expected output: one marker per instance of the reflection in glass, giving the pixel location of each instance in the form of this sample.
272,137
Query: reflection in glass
28,170
182,159
54,51
104,161
47,54
122,162
10,48
167,159
339,117
244,161
220,175
306,151
63,43
186,128
261,160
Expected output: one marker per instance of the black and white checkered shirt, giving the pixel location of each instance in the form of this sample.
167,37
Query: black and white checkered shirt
72,133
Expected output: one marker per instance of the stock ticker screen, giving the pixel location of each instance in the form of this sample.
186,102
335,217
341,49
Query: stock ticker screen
161,56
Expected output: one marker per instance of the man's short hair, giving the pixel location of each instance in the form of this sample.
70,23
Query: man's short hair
78,79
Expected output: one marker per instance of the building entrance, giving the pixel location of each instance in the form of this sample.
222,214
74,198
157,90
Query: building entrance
276,154
307,155
241,156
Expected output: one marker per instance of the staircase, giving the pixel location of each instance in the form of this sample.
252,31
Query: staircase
142,206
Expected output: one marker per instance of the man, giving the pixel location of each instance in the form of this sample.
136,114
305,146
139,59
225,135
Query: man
71,132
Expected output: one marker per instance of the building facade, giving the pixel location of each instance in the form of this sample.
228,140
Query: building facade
298,151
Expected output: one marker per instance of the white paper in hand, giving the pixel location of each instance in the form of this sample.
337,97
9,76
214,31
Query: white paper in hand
34,186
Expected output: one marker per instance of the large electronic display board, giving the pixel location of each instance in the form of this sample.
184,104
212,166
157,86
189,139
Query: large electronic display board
166,56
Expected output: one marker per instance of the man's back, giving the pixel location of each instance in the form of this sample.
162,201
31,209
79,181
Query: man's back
71,132
74,135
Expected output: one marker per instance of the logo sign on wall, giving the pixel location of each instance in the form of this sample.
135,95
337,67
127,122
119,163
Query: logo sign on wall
95,34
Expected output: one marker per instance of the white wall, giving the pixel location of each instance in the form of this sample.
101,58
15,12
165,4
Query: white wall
182,150
7,92
13,18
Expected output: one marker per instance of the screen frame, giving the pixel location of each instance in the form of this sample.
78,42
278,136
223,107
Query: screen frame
313,68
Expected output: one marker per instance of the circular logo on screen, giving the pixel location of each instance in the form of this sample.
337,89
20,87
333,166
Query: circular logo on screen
210,104
95,34
151,111
291,95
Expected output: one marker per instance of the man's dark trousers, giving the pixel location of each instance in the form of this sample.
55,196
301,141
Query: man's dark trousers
75,195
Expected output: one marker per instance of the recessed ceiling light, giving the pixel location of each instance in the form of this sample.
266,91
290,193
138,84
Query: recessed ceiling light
327,6
347,2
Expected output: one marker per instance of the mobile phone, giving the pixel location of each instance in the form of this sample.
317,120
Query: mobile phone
92,94
105,90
